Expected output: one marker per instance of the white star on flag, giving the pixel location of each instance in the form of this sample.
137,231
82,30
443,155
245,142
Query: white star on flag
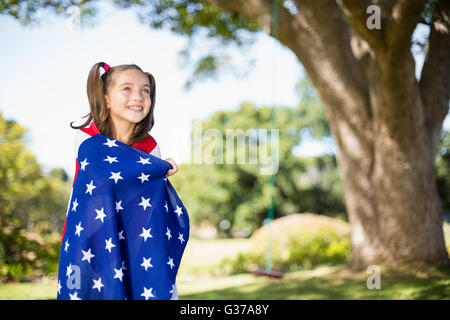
87,255
111,143
100,214
79,229
109,245
111,159
116,176
90,187
144,160
165,206
170,263
98,284
180,237
75,205
84,163
67,245
179,211
143,177
146,263
121,237
168,234
147,293
145,203
69,270
74,296
118,274
59,286
146,234
118,206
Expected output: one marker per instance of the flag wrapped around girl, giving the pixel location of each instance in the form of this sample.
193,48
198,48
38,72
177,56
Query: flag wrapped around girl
126,228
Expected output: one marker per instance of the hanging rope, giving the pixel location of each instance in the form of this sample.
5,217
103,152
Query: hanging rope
272,126
268,222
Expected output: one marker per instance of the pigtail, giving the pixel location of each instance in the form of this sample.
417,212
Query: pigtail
153,98
84,125
96,89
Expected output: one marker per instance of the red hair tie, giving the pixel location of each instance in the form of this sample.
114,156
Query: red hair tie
106,67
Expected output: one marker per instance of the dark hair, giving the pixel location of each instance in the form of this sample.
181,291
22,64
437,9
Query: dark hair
97,87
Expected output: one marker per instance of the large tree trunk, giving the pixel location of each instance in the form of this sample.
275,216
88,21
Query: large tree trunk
395,211
385,124
407,207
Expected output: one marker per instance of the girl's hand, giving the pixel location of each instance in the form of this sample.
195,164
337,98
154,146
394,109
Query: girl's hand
171,172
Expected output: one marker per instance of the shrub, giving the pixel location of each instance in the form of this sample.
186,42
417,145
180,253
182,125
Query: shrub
298,241
25,253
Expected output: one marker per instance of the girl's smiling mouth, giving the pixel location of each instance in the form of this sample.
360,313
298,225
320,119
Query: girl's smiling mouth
135,108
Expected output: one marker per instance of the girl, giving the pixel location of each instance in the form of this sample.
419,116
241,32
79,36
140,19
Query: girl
122,100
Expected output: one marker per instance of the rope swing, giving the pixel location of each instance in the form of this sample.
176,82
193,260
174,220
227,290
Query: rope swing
270,216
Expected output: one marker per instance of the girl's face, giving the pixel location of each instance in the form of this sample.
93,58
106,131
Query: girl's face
128,98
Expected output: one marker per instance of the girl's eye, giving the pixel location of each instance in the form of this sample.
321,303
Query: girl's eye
126,88
147,91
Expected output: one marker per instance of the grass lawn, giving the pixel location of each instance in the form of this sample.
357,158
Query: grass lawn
326,282
45,289
196,280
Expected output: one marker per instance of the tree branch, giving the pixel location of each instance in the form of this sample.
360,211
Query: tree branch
320,38
435,77
330,59
260,10
356,12
317,33
398,22
405,16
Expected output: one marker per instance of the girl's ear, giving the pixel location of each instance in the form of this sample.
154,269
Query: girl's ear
107,101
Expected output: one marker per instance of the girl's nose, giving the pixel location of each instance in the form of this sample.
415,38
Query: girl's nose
138,97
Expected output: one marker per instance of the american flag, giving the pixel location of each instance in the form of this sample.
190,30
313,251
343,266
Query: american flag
126,228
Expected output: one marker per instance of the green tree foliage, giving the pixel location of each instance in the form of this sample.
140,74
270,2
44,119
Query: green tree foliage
32,207
27,197
25,11
197,19
239,193
20,176
193,19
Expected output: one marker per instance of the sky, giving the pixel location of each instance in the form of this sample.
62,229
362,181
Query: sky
44,68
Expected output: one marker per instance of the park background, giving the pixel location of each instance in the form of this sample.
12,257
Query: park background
44,65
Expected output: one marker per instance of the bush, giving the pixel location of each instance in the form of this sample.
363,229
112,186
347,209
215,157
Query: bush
25,253
299,241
